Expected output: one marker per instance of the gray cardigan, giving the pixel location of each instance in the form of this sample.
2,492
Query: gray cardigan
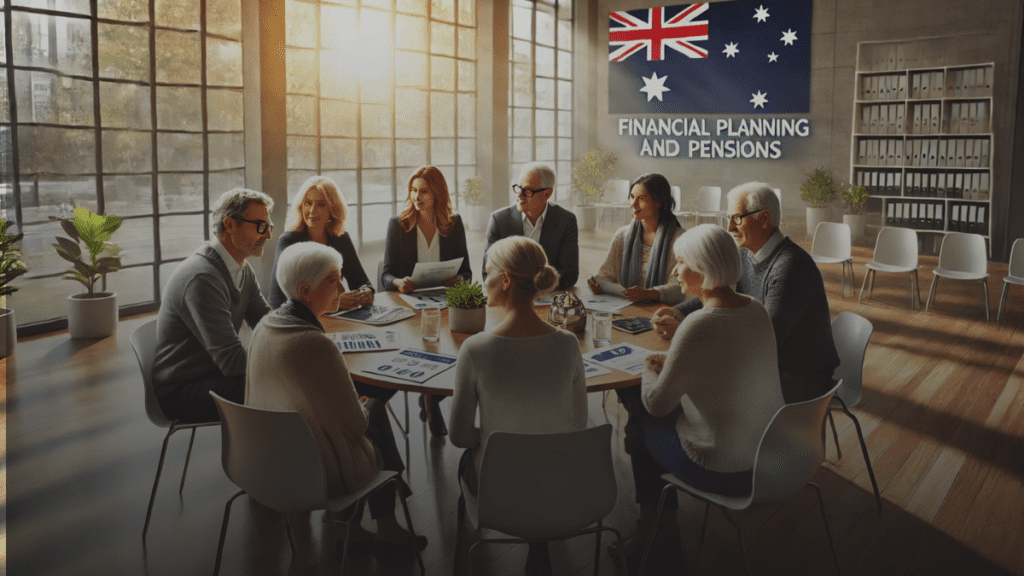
200,315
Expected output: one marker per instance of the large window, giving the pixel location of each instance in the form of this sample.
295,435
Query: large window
377,88
127,107
540,94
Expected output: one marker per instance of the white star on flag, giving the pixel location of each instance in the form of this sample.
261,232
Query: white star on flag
654,86
759,99
789,37
762,13
773,57
731,50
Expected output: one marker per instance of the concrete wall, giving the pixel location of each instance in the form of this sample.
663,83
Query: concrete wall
986,31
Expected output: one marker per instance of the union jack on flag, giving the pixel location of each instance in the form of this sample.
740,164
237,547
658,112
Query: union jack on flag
657,34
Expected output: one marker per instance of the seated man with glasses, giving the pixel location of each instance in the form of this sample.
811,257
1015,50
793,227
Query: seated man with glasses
550,225
783,277
204,303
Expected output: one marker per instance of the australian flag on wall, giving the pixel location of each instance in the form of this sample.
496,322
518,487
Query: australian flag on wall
738,57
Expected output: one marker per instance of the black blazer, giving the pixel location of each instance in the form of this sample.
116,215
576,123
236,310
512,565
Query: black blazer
559,237
400,255
351,269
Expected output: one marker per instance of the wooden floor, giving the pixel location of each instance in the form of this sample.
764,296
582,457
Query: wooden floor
943,413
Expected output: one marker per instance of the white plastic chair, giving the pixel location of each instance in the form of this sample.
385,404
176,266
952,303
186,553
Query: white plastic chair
895,252
709,203
962,257
790,453
273,457
1015,275
541,488
832,245
851,333
616,194
143,341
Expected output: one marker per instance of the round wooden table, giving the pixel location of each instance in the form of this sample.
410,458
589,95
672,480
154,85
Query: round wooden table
449,342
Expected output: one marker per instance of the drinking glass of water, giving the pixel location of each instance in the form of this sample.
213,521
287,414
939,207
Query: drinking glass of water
430,324
602,328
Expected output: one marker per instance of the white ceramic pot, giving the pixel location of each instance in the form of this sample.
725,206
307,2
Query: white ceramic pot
470,321
856,222
8,332
94,317
816,216
586,217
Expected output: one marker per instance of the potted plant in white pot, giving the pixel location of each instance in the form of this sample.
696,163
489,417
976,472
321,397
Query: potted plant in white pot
467,307
855,198
589,176
11,267
91,314
476,213
818,190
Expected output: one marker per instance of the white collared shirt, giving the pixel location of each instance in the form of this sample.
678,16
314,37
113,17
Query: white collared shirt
532,231
768,247
234,268
428,252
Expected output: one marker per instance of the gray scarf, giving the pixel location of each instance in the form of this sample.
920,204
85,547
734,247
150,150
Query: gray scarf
632,255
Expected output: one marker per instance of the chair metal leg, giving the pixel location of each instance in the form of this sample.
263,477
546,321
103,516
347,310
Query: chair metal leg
835,435
654,524
864,450
739,536
704,529
288,532
915,285
871,284
597,550
224,531
458,534
408,525
988,317
1002,302
156,483
863,284
931,292
188,457
828,531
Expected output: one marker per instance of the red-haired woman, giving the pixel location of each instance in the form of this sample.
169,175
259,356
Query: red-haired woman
425,231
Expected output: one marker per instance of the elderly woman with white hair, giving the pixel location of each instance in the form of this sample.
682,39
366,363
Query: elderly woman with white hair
293,365
708,400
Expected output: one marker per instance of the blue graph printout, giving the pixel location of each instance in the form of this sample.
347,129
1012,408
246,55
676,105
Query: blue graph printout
625,357
413,365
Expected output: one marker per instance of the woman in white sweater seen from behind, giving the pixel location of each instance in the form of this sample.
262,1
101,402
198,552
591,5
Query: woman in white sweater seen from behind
525,375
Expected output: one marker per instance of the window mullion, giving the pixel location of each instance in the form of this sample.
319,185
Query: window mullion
12,104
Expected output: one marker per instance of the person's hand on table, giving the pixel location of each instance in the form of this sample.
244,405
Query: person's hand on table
594,286
665,321
638,294
452,281
404,285
655,362
355,298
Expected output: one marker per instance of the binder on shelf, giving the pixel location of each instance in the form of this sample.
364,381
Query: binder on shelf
933,152
865,120
901,58
983,117
915,86
976,152
915,185
928,220
969,82
891,153
874,182
954,218
901,110
981,222
958,83
912,217
969,153
972,215
890,184
973,118
890,215
954,118
917,153
958,187
933,181
935,110
901,87
983,155
939,217
989,72
862,152
899,153
874,119
943,145
940,187
883,119
917,119
975,185
937,84
898,183
892,119
926,91
872,152
983,186
959,154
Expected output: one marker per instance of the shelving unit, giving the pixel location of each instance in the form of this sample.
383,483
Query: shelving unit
922,141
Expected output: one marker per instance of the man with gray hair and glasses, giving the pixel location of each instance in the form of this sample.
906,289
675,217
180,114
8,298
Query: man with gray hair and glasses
550,225
204,303
784,278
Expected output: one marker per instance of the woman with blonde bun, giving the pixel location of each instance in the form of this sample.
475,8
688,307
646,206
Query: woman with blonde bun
524,375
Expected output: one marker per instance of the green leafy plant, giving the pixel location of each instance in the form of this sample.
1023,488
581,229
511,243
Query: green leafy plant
11,265
94,230
473,190
855,197
464,295
590,174
819,189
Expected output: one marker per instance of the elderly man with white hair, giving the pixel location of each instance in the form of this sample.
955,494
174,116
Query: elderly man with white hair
783,277
707,401
550,225
294,366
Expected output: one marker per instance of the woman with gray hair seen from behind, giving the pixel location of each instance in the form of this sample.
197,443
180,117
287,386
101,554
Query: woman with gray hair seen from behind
293,365
525,375
708,400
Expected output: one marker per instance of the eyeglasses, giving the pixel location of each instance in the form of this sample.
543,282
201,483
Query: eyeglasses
261,226
737,219
520,191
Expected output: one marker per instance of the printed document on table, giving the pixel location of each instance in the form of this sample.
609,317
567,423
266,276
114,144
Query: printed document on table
592,369
608,287
421,301
625,357
604,303
430,274
375,314
367,341
414,365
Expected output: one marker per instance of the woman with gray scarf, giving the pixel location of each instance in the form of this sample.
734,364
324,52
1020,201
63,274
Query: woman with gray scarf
640,257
